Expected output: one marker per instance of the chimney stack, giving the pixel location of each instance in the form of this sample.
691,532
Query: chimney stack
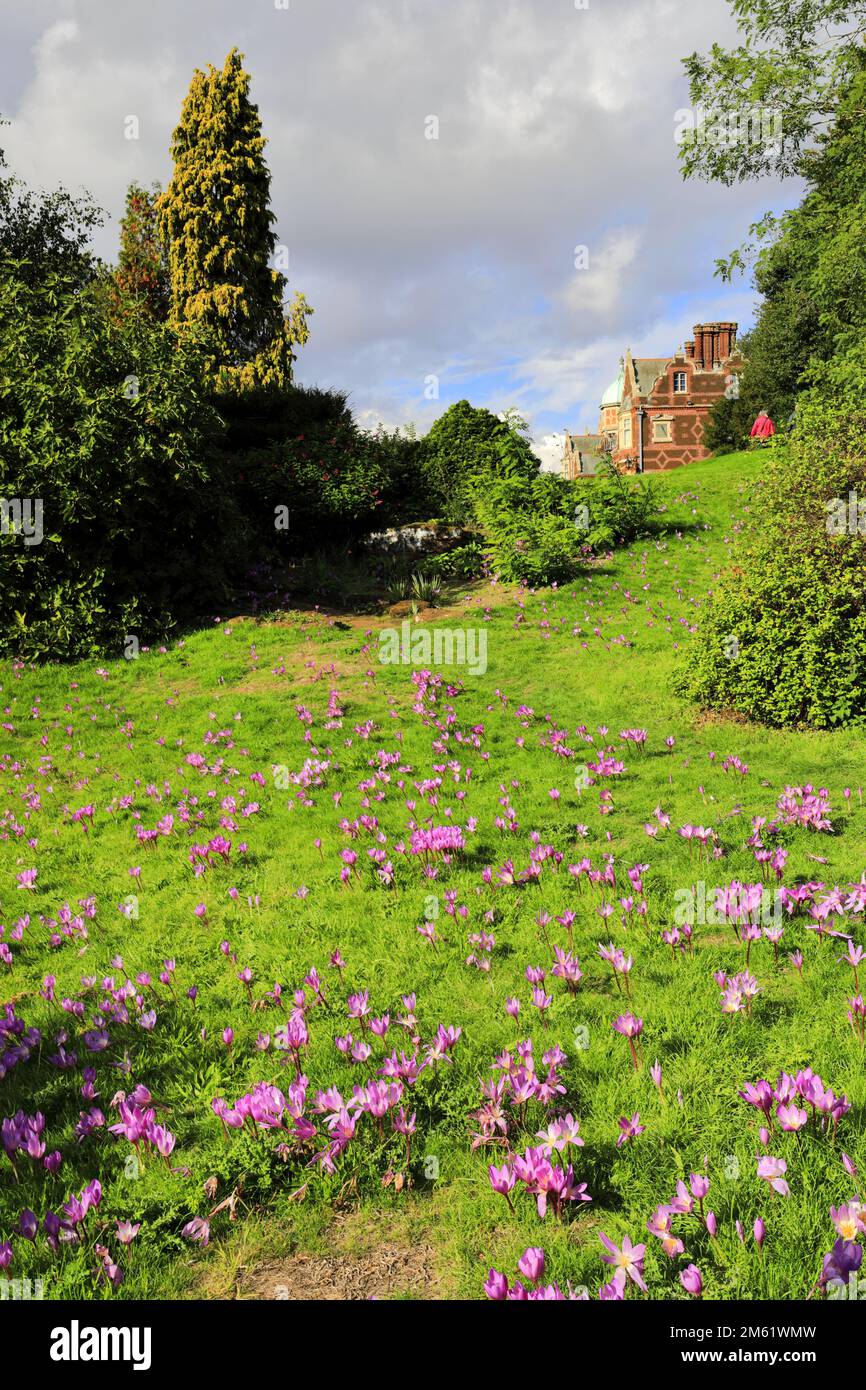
698,331
711,345
727,336
714,343
690,347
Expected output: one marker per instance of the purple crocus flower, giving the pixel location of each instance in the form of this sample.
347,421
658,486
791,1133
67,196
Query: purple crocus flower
843,1260
28,1224
531,1264
496,1286
628,1259
772,1170
197,1230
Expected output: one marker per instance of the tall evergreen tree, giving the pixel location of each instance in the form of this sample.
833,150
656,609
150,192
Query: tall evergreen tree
141,277
216,222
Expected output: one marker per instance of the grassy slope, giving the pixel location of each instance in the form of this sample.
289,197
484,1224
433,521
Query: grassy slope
564,661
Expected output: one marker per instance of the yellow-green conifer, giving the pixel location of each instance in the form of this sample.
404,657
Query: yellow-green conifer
216,222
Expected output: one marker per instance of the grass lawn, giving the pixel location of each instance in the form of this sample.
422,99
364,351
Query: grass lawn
235,733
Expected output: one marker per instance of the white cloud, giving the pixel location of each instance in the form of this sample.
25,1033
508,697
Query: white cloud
598,279
451,256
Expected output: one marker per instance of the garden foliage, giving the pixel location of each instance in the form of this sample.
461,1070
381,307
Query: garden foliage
109,429
783,639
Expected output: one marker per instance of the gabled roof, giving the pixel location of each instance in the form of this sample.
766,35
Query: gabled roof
648,370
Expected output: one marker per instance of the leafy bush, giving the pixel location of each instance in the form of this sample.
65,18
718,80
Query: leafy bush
299,448
109,429
334,480
784,637
469,561
530,528
466,449
728,425
263,416
540,531
621,507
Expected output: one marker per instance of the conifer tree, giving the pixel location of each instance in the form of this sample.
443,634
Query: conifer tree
141,276
216,222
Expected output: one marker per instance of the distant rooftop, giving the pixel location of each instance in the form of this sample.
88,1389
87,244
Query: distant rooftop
588,449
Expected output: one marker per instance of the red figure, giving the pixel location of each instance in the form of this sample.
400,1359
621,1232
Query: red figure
763,427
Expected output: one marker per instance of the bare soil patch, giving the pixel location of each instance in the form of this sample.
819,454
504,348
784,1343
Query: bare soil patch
361,1265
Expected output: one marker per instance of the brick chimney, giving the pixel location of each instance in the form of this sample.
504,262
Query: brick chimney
727,338
698,331
711,344
690,347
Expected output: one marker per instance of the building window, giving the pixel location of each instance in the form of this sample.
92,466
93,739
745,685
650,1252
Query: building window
625,432
680,382
661,431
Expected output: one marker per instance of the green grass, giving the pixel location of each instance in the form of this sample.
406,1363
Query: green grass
601,651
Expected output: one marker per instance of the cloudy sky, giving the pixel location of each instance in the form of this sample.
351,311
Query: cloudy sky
452,257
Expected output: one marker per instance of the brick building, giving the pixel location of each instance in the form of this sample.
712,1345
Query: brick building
653,415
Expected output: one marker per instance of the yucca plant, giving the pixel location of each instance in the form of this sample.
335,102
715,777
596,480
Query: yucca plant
427,588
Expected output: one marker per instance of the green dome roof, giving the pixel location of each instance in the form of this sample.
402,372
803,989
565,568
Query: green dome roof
613,394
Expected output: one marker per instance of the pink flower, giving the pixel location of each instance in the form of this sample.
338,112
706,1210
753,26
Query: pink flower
772,1170
496,1286
531,1264
197,1230
629,1259
791,1118
502,1179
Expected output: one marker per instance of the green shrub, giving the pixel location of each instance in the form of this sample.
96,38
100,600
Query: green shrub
728,425
783,639
466,449
108,428
540,531
334,480
530,528
469,561
620,507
